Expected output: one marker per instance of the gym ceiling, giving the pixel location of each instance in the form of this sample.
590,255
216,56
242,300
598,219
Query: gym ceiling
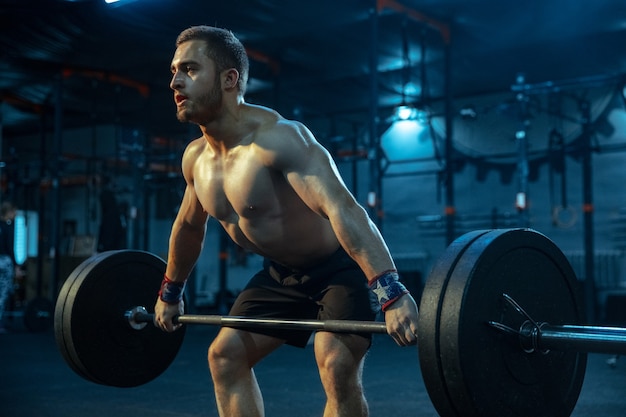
311,60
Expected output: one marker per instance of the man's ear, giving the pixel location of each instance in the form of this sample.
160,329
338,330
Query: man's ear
230,78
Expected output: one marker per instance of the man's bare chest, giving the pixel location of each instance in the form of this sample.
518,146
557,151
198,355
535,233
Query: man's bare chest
235,188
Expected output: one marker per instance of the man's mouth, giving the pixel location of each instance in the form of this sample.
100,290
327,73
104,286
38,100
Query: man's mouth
179,98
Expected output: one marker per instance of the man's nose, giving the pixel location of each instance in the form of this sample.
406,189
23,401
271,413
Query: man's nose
177,81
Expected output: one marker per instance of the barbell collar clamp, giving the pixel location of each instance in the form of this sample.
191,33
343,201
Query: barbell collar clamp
136,317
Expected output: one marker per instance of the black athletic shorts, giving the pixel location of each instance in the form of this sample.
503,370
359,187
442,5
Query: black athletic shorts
335,289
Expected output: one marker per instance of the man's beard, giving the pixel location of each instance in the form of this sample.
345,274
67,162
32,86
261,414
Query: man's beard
210,104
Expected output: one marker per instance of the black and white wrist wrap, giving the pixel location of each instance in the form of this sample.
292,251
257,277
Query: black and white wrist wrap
171,292
387,288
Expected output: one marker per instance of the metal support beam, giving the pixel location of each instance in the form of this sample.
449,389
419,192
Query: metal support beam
521,137
450,211
375,152
588,238
55,194
441,27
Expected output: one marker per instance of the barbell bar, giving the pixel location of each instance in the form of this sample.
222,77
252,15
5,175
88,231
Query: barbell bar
481,351
543,337
139,317
532,336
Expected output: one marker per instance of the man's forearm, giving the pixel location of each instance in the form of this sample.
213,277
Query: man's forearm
185,246
363,242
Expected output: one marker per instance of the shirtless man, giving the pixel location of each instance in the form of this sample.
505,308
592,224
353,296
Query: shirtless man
277,192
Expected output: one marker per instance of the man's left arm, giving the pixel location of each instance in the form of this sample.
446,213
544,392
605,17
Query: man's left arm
311,172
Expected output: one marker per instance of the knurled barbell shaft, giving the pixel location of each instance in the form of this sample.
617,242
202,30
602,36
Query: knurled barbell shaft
543,336
597,339
336,326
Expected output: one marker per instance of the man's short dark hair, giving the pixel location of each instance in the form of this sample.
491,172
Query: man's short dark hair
223,48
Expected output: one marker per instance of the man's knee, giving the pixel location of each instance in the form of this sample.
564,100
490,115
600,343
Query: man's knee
225,353
341,358
234,350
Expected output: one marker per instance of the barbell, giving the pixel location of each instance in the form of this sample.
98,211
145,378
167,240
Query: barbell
499,330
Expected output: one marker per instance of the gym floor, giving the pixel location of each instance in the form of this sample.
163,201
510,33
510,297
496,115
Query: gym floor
36,382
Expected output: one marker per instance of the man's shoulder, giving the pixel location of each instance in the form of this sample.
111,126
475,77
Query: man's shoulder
282,136
195,146
278,129
262,119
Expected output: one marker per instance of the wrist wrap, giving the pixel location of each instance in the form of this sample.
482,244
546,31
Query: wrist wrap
171,292
387,288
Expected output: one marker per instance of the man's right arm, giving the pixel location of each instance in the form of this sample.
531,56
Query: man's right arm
185,245
187,237
187,234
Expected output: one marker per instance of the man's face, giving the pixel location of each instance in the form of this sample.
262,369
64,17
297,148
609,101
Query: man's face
196,84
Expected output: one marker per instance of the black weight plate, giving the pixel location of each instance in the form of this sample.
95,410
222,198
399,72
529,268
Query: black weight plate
91,330
38,314
428,323
62,299
487,373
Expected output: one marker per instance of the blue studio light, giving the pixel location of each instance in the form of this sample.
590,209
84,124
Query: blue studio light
405,112
20,239
407,143
406,139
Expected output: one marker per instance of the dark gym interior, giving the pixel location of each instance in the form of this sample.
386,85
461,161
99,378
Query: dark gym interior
515,118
